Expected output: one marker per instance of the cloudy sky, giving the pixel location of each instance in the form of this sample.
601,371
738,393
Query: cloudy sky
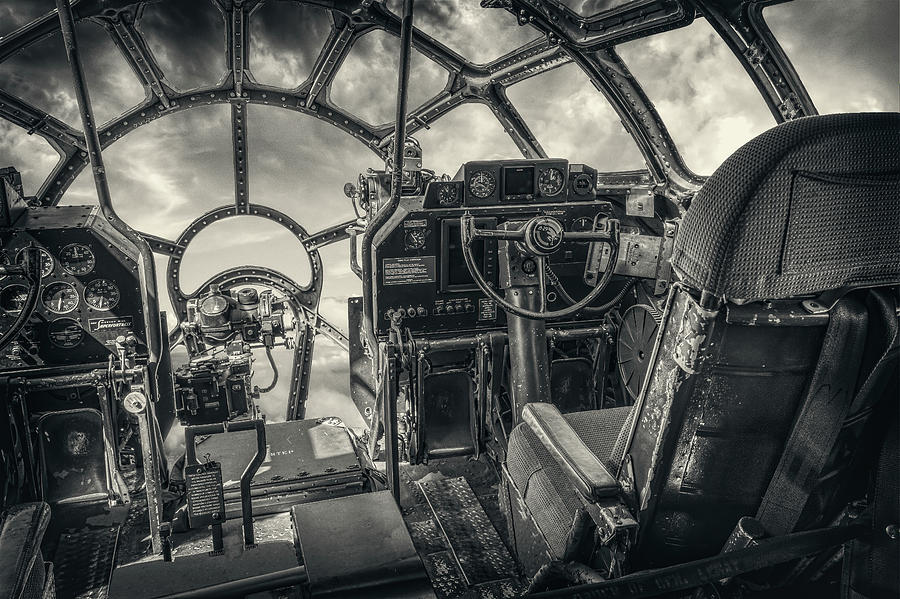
168,173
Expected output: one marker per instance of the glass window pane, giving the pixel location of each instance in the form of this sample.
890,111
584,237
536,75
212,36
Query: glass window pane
277,55
572,120
846,53
366,84
702,93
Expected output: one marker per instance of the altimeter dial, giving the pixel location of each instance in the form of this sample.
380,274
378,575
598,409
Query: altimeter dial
102,294
550,181
482,184
77,259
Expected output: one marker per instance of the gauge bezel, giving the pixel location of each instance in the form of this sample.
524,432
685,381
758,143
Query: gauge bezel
10,286
44,253
87,248
491,177
540,185
64,284
201,305
84,295
68,320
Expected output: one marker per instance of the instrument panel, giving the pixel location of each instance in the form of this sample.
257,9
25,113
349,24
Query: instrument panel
504,182
89,293
421,276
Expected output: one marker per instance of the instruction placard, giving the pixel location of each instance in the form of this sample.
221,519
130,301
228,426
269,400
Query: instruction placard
205,495
409,270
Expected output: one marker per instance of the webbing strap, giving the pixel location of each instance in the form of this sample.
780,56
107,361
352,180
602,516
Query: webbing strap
821,415
768,552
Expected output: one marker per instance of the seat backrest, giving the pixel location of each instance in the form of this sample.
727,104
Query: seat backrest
802,217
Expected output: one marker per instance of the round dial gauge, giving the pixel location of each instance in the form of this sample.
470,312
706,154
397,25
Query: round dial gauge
12,298
414,239
213,305
551,181
59,297
65,333
46,261
482,184
447,195
101,294
77,259
5,261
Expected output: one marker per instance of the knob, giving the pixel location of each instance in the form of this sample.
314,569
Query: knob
389,313
450,309
420,311
439,309
410,311
470,308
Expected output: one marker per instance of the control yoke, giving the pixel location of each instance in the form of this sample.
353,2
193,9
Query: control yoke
541,236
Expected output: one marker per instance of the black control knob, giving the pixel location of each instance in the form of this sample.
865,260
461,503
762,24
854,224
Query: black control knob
450,309
420,311
470,308
410,311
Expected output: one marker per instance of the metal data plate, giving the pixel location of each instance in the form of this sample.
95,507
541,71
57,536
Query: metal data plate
638,255
205,495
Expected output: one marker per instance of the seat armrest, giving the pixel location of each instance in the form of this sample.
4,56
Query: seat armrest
21,532
584,469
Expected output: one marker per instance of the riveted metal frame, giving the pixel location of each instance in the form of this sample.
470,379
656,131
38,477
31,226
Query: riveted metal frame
568,38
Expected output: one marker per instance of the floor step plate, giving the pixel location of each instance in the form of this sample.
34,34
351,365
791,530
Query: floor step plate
83,563
487,568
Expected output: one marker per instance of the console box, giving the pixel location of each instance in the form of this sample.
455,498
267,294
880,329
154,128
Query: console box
307,460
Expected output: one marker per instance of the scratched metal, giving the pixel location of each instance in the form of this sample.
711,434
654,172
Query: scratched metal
478,548
446,579
83,563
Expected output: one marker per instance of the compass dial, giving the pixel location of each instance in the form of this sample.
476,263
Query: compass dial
77,259
102,294
46,261
59,297
551,181
482,184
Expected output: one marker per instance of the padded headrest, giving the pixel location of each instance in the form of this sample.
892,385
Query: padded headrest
808,206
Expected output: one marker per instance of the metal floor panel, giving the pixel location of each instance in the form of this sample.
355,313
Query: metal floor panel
83,563
485,563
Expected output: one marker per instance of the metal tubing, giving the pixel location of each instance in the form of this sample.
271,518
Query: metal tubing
139,406
382,216
246,586
388,391
146,266
528,361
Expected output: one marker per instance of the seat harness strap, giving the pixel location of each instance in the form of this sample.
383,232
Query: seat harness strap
819,421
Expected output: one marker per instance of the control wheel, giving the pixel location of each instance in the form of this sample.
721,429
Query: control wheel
634,347
541,236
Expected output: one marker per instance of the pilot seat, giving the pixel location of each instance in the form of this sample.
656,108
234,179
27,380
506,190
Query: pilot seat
773,376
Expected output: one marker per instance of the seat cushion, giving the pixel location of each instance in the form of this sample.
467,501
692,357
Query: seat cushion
547,492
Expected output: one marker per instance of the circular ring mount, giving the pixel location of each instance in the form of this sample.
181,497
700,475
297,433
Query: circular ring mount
307,295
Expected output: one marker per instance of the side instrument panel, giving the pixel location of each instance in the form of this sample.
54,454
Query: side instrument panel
90,292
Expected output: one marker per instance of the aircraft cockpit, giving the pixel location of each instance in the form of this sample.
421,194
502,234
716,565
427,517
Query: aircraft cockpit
452,370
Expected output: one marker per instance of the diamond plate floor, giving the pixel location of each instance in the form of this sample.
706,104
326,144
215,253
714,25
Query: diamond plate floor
83,563
462,551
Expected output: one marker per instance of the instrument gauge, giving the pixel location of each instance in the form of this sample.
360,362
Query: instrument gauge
414,239
77,259
46,261
4,261
448,195
551,181
102,294
482,184
59,297
65,333
12,298
213,305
